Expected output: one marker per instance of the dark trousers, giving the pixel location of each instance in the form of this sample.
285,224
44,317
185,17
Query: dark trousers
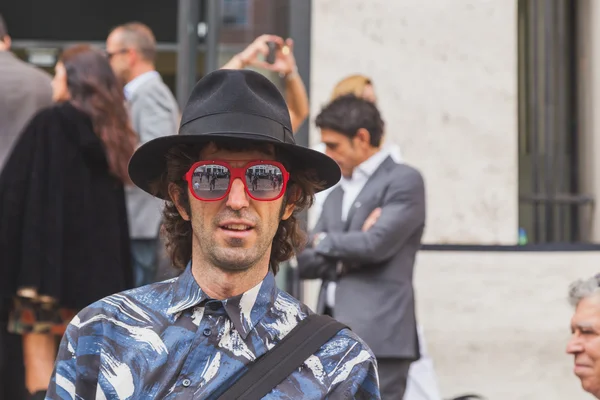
393,374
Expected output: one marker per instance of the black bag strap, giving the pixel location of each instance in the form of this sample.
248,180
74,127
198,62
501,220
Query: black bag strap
273,367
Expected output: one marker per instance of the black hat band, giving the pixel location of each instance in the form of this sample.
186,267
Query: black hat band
238,123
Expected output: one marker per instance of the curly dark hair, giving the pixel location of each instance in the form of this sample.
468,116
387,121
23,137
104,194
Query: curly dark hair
348,113
177,232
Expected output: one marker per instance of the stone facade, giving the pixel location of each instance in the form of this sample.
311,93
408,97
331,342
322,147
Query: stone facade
446,77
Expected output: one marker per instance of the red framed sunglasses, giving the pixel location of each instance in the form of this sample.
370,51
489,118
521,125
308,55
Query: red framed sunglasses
211,180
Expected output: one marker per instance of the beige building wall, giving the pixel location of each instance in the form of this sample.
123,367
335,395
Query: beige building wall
446,76
497,324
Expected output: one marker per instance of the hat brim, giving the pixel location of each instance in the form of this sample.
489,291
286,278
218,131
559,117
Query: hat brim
149,161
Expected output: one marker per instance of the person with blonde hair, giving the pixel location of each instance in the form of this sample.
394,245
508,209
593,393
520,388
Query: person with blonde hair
359,85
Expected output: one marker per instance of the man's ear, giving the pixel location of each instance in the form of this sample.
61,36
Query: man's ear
363,136
289,203
175,195
5,43
288,211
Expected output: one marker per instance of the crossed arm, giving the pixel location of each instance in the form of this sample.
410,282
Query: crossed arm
402,213
312,265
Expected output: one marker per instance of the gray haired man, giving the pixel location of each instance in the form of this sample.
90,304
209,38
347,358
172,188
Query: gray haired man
131,50
584,345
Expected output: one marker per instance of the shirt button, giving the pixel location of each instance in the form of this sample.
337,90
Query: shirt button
186,382
207,332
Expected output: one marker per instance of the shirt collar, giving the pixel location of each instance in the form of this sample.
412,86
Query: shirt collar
247,309
186,292
138,81
244,310
369,166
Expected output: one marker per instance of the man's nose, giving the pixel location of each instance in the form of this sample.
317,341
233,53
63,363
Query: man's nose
237,198
574,345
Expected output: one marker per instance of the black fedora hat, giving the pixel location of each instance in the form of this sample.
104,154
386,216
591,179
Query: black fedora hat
237,105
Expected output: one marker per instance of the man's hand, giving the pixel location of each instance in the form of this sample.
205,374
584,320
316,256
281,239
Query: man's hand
285,62
372,219
250,55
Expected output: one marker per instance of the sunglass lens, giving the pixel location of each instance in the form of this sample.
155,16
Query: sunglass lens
264,181
210,181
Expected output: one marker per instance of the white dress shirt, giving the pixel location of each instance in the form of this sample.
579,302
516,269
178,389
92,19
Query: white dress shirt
360,176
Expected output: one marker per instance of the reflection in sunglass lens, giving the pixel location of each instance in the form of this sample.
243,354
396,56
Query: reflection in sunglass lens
210,181
264,181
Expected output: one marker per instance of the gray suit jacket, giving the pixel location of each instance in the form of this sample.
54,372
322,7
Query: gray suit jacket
154,113
24,90
374,294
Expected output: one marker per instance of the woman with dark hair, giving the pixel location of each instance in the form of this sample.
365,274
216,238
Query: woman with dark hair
64,239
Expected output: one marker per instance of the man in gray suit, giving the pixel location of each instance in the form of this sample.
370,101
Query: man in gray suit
365,242
24,90
131,49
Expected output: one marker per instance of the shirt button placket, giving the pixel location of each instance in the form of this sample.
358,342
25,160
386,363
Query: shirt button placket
199,355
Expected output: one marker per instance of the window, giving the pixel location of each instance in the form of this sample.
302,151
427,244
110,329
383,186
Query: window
550,201
235,13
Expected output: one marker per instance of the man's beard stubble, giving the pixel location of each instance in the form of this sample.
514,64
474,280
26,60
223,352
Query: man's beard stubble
232,257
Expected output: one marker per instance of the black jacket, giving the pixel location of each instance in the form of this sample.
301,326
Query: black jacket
63,221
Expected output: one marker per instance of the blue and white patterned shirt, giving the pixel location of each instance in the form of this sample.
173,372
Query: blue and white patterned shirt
169,340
